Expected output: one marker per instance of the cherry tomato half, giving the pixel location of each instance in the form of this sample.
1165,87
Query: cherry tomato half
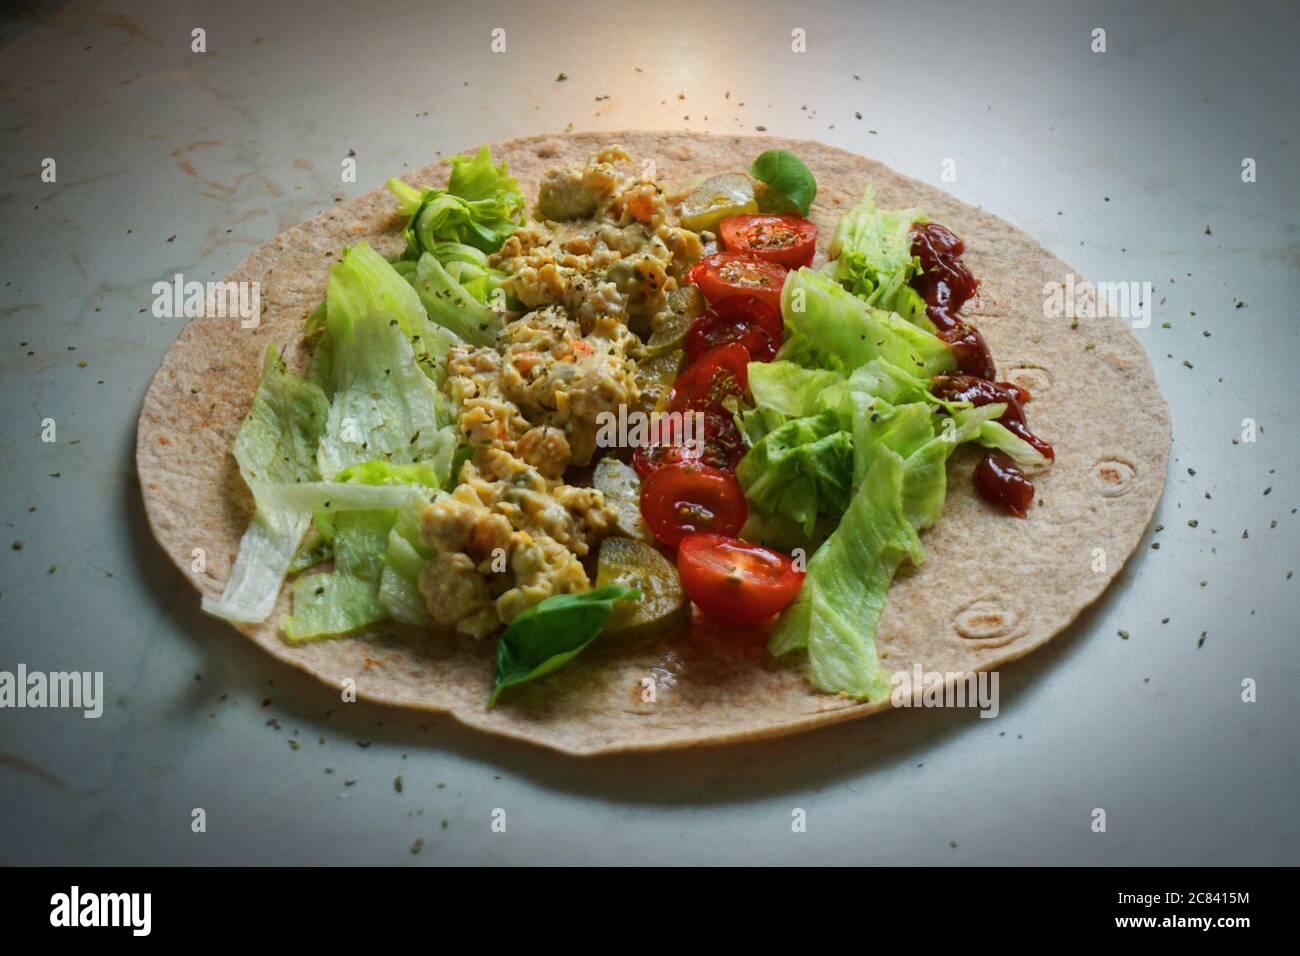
787,240
737,273
685,497
753,322
717,374
720,445
734,581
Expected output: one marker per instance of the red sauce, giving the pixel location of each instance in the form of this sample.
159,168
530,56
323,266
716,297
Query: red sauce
979,391
1000,481
946,285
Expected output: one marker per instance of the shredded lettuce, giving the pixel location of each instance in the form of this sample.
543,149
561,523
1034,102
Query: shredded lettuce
404,555
342,600
481,206
995,435
276,445
360,590
800,470
871,256
790,389
345,453
451,305
820,311
362,283
384,406
834,617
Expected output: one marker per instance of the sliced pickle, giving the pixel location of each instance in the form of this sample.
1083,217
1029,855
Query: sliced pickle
663,607
655,378
621,486
669,326
676,192
727,194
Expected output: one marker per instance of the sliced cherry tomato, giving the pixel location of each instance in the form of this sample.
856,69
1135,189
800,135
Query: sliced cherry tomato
737,273
719,373
788,241
753,322
685,497
720,445
734,581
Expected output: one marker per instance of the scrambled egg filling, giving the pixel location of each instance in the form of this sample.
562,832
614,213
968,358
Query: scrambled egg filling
595,269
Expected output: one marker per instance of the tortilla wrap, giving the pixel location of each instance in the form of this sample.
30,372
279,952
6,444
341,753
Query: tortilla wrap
992,587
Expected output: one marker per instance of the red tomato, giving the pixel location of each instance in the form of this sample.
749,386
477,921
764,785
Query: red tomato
718,373
734,581
720,446
753,322
736,273
788,241
685,497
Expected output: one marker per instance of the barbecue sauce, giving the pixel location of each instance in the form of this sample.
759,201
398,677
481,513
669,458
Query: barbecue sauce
946,285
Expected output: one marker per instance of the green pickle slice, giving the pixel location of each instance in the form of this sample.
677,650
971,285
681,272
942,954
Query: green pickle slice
727,194
664,607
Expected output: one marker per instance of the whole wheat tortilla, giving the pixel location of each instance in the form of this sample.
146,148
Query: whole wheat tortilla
992,587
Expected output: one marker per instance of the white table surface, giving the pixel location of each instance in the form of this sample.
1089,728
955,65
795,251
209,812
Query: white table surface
223,150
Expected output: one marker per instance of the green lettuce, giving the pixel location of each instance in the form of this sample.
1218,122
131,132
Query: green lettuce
346,598
362,587
451,305
384,406
800,470
276,445
995,435
481,206
871,256
835,615
405,553
362,283
820,311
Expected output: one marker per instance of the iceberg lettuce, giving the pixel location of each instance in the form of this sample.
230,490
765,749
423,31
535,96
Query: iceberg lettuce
834,617
276,445
481,206
820,311
871,256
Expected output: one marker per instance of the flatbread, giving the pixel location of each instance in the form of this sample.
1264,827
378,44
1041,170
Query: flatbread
992,587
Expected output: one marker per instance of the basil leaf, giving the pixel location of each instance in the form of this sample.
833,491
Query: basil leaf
553,632
785,174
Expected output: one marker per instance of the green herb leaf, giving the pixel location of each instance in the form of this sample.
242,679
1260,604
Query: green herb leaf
787,177
552,633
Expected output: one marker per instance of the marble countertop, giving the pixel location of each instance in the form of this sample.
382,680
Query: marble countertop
1126,163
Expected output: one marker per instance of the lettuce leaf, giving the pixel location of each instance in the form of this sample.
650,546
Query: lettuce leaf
800,470
995,435
362,587
342,600
834,617
871,256
451,305
821,311
791,389
405,553
384,406
481,206
363,282
276,445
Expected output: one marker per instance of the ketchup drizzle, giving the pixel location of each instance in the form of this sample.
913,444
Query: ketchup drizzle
946,285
